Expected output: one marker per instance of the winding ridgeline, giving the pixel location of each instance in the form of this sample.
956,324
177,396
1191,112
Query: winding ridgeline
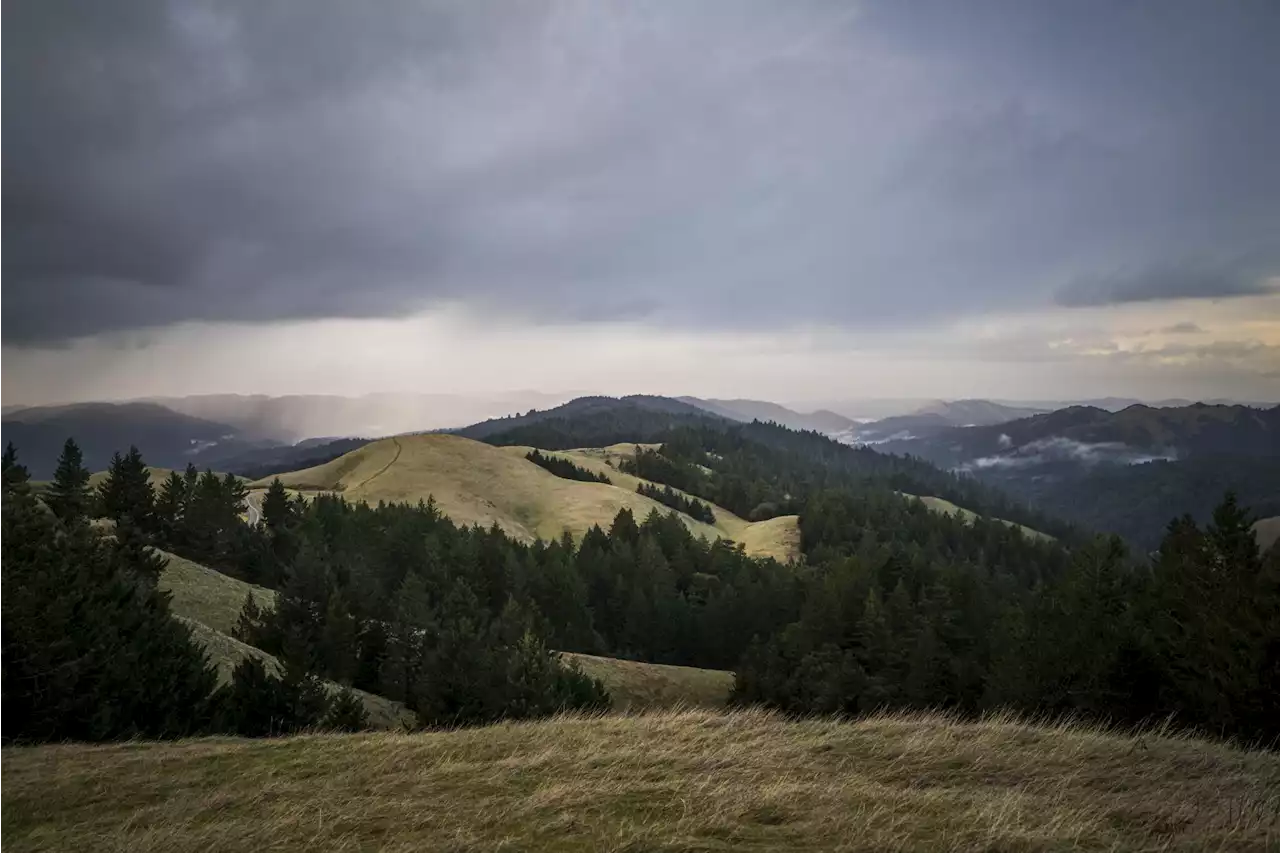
442,582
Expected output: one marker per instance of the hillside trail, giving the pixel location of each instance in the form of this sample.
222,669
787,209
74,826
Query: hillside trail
384,468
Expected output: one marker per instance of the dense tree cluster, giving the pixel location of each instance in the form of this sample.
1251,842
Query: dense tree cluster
902,607
90,651
394,597
1194,637
1137,501
668,496
565,468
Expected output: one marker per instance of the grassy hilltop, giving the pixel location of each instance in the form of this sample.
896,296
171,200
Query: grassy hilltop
694,780
476,483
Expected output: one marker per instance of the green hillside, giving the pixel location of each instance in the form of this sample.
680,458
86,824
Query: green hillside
697,780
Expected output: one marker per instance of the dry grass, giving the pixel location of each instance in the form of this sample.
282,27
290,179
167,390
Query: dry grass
633,685
209,596
946,507
778,537
475,483
682,781
1267,530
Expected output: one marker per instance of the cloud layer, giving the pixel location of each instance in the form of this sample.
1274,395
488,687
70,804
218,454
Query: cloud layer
737,165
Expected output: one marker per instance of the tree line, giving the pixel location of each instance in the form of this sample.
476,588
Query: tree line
564,468
668,496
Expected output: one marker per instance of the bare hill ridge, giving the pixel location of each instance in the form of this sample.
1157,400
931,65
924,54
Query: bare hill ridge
476,483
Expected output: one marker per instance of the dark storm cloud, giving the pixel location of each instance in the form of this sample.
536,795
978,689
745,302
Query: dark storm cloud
728,163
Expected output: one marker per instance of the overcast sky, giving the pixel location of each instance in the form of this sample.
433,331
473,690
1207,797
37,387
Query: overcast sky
788,200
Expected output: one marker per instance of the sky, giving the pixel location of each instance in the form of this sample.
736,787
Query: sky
788,201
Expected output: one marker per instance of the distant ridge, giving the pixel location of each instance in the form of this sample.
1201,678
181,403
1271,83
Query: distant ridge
635,416
167,439
821,420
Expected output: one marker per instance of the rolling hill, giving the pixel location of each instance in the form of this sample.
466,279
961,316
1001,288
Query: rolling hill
693,780
609,420
475,483
166,438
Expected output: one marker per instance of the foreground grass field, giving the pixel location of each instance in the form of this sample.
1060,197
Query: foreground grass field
686,781
475,483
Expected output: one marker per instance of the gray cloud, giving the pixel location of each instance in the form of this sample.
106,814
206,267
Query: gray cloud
1192,281
728,163
1184,328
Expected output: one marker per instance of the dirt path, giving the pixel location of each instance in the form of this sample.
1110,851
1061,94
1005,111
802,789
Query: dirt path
383,469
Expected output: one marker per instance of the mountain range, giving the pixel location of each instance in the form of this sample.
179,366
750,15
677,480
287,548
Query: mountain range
1127,471
1089,435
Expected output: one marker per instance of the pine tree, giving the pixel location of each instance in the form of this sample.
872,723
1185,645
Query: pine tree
90,653
277,510
169,507
338,640
127,491
253,703
132,552
16,475
346,713
68,494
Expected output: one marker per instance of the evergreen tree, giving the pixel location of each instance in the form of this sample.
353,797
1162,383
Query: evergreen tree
68,494
346,713
277,510
127,491
338,640
16,475
132,552
90,651
168,509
